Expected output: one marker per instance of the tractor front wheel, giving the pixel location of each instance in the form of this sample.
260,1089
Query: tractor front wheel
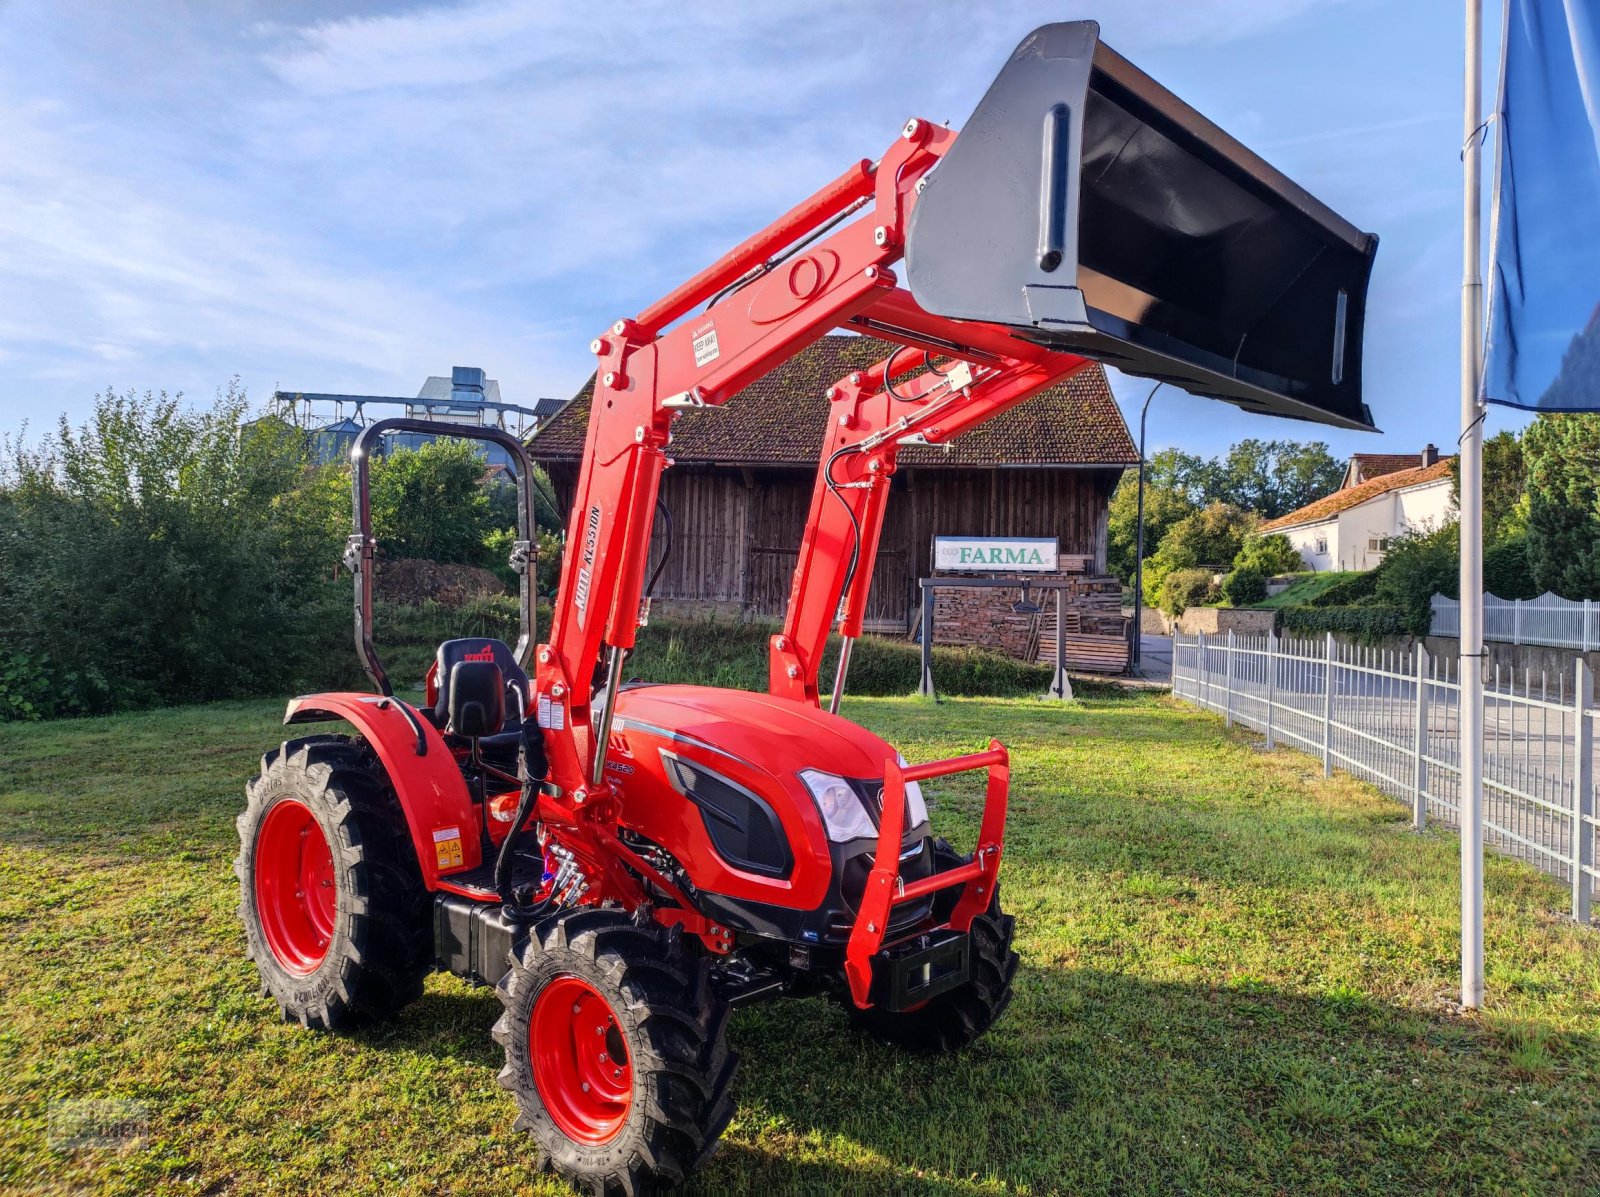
615,1050
333,905
956,1018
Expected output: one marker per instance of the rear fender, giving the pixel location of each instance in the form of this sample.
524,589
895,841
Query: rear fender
422,770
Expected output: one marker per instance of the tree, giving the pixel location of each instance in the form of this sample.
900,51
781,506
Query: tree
1164,506
1562,458
1505,485
1505,570
1273,478
431,502
1269,555
1209,538
503,501
1194,478
1269,478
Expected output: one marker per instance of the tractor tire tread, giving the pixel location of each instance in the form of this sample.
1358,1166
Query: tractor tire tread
955,1019
381,951
676,1037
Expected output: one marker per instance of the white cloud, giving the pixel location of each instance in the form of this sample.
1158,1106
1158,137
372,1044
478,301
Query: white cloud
356,201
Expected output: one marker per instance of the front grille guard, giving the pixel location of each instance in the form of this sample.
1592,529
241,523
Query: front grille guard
886,889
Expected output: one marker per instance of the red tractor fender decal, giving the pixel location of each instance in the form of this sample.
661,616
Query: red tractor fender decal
421,768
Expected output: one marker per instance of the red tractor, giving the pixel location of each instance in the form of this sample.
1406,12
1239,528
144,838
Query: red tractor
626,862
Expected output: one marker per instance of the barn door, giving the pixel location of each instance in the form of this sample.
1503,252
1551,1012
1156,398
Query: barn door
777,517
893,594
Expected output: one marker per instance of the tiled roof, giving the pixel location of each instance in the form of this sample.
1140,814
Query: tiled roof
1343,500
780,420
1368,466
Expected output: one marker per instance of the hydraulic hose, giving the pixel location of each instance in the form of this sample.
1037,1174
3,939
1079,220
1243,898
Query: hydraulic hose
525,807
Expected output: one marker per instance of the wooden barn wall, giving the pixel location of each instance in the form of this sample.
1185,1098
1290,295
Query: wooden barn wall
736,534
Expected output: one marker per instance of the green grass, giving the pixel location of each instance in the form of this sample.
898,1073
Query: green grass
1305,588
1236,978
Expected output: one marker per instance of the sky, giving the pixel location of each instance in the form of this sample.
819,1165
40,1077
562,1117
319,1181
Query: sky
348,197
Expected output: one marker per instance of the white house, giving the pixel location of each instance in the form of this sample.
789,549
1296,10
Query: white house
1351,528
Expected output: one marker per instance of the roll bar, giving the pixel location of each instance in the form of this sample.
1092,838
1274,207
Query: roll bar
359,548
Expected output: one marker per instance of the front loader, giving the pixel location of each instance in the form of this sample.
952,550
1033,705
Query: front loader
625,862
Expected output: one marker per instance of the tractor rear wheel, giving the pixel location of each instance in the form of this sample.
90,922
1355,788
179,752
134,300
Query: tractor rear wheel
616,1051
333,905
954,1019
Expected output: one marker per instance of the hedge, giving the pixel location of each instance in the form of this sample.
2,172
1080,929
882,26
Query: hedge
1371,621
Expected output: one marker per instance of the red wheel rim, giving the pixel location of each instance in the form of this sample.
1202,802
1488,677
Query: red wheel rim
295,895
580,1061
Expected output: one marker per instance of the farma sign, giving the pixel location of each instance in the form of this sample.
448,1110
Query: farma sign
995,554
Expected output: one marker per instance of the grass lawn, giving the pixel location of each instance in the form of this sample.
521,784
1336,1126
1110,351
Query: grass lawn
1305,588
1236,978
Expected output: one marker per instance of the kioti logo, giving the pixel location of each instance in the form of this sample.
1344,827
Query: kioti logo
486,653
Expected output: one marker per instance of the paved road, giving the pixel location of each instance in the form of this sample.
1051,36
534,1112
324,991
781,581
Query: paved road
1155,658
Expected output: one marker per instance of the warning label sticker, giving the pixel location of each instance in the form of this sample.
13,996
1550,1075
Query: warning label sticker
550,715
447,847
706,349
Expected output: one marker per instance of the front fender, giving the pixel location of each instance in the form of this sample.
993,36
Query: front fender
422,770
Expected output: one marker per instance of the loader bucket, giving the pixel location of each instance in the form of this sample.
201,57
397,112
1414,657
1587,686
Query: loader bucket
1094,211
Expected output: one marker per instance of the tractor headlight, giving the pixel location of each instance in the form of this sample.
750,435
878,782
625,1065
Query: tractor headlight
842,812
916,805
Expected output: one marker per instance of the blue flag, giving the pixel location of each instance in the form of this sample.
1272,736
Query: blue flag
1544,275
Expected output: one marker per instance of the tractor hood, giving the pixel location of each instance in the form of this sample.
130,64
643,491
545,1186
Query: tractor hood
778,735
1092,210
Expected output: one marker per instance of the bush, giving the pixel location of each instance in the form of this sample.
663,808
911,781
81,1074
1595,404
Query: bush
1245,586
144,558
1418,566
547,546
1506,572
1269,555
1185,588
162,553
1370,621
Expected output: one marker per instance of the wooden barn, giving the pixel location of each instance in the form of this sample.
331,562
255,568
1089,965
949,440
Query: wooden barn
742,484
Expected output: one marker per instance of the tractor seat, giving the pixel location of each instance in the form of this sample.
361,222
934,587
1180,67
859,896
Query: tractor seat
475,649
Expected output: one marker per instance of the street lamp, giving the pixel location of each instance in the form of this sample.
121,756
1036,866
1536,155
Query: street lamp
1138,548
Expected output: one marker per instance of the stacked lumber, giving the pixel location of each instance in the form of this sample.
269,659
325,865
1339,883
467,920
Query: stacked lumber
1092,611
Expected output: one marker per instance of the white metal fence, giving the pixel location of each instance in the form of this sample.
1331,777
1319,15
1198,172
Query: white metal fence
1548,620
1394,719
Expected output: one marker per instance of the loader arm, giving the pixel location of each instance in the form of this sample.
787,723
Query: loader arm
868,423
1036,246
840,244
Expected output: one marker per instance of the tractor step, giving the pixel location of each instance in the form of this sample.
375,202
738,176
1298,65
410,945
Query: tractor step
919,969
473,939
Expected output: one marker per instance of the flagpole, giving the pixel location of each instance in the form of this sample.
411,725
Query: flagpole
1471,661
